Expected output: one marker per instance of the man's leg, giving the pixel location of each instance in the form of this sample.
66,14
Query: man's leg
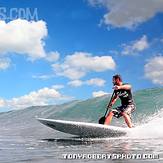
127,115
116,112
127,119
109,118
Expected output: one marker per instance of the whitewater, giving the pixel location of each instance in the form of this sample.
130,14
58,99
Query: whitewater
24,139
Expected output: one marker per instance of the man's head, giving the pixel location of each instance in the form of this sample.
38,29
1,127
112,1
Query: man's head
117,80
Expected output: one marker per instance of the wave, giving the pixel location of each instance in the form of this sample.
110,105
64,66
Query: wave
151,128
148,117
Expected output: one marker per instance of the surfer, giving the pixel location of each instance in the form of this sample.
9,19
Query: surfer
122,91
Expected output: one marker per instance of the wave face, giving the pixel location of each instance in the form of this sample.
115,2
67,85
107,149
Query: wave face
148,117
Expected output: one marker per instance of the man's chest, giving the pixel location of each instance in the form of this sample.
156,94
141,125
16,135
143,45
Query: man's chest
122,94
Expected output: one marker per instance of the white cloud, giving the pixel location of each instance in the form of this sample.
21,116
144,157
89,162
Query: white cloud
44,96
23,37
128,13
58,86
53,56
96,81
79,64
99,93
136,46
2,103
154,70
4,63
42,77
75,83
141,44
68,71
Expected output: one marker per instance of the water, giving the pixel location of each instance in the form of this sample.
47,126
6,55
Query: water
52,150
24,139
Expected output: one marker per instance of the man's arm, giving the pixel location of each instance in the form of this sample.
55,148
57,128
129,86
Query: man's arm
113,101
125,86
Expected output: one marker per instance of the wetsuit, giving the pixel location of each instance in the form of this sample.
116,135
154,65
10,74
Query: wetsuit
127,102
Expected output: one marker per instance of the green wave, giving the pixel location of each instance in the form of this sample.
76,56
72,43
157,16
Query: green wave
148,102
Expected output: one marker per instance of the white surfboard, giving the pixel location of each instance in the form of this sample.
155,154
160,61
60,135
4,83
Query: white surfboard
83,129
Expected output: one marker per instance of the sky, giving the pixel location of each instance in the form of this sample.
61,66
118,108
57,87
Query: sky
65,50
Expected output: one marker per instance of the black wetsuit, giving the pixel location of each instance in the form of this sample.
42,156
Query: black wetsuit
127,102
125,96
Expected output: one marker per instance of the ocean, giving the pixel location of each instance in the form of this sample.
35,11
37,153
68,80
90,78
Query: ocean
24,139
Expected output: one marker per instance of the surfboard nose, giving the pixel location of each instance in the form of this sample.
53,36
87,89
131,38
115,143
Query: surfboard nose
46,122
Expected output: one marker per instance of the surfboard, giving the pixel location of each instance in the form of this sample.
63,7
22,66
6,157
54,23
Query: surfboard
83,129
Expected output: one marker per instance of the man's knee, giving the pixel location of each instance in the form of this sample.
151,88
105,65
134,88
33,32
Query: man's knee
117,113
126,114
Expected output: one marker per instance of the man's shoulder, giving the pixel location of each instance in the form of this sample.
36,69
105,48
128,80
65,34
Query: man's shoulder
126,84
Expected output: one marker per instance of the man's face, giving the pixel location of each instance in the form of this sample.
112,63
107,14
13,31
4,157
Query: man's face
115,81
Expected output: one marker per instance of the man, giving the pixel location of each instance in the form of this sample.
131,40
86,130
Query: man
122,91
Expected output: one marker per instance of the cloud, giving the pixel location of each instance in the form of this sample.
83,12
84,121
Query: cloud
4,63
96,81
79,64
53,56
136,46
2,103
154,70
58,86
23,37
76,83
128,13
44,96
99,93
42,77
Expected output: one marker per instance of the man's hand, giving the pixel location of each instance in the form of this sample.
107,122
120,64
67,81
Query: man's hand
116,87
126,87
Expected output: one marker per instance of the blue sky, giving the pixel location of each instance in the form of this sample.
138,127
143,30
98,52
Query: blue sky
63,50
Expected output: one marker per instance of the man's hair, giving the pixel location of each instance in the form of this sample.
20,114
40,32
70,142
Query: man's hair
117,76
